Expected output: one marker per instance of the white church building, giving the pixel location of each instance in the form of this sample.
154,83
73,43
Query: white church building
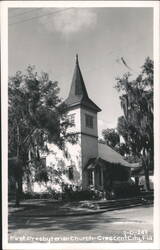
87,162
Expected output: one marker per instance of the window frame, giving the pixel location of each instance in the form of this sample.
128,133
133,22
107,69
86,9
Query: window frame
89,121
44,162
71,173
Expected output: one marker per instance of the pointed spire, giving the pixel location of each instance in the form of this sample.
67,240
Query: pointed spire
77,62
78,94
78,87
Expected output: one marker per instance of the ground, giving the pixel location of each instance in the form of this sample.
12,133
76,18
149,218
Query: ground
126,225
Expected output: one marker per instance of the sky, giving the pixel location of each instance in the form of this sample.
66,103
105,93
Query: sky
49,38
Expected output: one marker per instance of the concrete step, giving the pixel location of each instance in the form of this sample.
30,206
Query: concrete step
134,199
117,202
121,205
124,203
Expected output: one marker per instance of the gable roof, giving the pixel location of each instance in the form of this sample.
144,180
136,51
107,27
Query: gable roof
78,94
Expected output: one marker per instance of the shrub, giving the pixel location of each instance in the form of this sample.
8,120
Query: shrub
80,195
44,195
126,190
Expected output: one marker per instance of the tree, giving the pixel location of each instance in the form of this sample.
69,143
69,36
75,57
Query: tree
136,125
35,117
111,137
122,149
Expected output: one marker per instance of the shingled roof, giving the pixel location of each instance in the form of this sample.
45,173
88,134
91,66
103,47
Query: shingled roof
78,94
108,155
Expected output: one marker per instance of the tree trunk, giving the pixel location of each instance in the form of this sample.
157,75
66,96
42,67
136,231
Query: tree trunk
17,194
29,184
146,170
18,190
147,180
18,178
137,180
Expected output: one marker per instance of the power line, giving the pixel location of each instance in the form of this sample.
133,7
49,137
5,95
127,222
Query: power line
28,19
25,12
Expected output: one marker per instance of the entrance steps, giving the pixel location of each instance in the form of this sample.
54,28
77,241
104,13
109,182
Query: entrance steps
110,205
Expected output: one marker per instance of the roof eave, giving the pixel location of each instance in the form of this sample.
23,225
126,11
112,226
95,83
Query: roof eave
71,105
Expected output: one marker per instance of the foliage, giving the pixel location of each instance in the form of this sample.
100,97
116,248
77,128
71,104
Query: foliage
33,110
126,190
44,195
122,149
136,126
80,195
41,175
35,116
111,137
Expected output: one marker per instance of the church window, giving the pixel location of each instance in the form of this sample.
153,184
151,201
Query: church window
43,160
70,173
89,121
71,119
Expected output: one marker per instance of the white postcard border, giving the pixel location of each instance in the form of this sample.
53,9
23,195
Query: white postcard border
4,69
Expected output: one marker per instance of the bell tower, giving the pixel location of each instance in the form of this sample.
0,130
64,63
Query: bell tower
82,112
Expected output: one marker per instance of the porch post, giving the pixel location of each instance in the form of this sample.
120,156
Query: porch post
102,181
93,177
137,180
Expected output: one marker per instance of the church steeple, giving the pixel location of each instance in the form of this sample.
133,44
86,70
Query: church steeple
82,112
77,59
78,94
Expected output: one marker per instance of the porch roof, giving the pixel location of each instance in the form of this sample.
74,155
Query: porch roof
107,155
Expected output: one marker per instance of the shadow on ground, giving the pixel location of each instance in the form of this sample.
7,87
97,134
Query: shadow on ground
58,224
